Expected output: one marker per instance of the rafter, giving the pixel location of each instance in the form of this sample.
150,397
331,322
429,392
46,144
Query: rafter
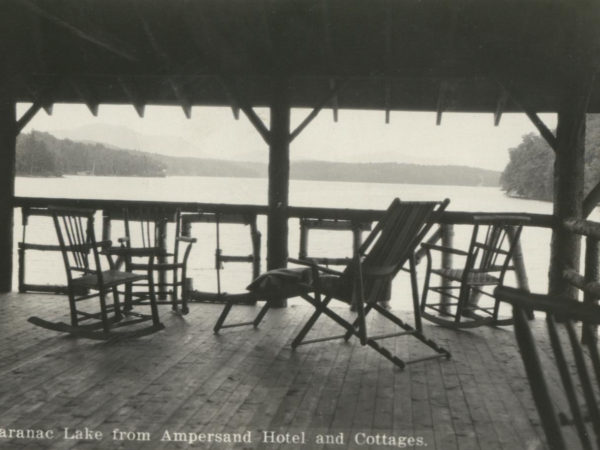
87,95
133,97
95,37
334,101
388,100
332,92
502,100
441,102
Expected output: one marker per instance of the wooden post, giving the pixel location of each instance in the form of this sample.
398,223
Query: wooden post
279,177
568,186
447,241
8,139
589,334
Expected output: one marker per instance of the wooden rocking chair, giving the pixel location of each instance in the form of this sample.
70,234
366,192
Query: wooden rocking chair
363,283
145,234
81,256
485,265
565,390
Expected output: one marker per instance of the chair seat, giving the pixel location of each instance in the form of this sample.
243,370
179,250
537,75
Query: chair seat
291,282
473,278
110,278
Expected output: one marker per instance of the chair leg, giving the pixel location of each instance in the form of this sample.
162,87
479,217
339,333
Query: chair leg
223,316
128,297
174,297
73,308
261,314
415,294
322,307
463,299
117,304
184,292
152,298
103,315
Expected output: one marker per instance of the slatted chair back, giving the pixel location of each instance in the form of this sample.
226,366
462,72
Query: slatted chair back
492,249
75,232
565,379
143,227
392,242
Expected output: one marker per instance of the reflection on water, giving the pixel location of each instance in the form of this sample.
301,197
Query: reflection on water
235,240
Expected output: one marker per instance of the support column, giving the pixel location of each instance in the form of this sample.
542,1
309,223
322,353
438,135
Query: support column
7,188
568,186
279,179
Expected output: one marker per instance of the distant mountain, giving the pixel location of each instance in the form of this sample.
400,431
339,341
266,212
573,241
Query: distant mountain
41,154
123,137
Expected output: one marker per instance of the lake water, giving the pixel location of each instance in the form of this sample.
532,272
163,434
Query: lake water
47,268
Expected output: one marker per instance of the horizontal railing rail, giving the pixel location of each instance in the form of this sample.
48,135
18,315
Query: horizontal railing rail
446,217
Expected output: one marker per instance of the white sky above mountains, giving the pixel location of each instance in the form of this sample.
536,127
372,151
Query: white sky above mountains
358,136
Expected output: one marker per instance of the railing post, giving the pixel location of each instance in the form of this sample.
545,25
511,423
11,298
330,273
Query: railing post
447,241
589,334
7,185
162,243
519,265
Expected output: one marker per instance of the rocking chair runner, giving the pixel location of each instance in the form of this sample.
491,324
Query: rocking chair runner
364,282
485,265
81,256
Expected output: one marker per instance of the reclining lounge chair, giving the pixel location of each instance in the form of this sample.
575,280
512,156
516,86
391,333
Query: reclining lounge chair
363,283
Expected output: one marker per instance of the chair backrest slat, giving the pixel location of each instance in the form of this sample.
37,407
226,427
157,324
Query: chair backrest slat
75,233
393,241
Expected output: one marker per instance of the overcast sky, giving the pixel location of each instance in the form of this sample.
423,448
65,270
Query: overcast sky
358,136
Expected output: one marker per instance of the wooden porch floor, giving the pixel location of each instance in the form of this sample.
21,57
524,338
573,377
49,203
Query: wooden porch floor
185,379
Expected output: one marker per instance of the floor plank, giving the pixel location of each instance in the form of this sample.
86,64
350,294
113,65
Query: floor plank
185,379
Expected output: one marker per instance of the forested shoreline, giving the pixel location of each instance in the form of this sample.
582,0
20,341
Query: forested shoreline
529,171
41,154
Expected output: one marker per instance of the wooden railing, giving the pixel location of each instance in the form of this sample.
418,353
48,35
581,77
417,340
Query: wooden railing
353,216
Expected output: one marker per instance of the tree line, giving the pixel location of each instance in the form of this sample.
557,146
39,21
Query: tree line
41,154
529,173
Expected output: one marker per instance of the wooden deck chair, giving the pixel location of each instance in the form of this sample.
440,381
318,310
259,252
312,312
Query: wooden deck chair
484,267
81,255
565,379
146,231
364,282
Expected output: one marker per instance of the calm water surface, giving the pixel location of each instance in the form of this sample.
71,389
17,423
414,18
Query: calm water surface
46,268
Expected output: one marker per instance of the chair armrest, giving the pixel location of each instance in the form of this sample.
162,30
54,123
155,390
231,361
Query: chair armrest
441,248
304,262
563,307
188,239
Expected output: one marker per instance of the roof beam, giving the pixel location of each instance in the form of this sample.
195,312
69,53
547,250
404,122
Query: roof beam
95,37
43,101
163,57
